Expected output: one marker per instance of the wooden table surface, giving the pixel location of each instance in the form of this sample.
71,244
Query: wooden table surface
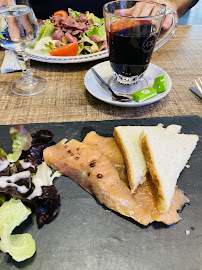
67,99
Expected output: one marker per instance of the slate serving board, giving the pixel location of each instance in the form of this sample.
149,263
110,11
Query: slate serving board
86,235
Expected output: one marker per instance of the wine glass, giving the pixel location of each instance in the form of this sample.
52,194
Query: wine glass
18,30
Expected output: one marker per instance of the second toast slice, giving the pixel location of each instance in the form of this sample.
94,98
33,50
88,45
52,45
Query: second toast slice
166,156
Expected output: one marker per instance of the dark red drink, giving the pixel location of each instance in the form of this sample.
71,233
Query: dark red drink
130,46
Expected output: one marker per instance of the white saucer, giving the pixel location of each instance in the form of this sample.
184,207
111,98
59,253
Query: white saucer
99,91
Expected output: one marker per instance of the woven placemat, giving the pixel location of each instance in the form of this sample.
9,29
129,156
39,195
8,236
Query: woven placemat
67,99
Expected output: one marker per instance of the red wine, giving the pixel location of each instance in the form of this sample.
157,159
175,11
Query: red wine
130,49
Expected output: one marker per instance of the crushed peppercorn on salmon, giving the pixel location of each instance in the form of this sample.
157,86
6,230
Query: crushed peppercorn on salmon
108,147
94,172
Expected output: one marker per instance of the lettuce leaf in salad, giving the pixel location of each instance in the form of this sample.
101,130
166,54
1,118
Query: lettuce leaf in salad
47,201
45,31
45,44
87,46
80,47
2,153
102,32
49,47
97,27
2,199
74,13
19,246
21,141
95,20
99,31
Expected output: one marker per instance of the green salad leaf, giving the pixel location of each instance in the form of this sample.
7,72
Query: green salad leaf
19,246
47,30
21,141
45,44
86,44
95,20
2,198
99,31
102,32
2,153
97,27
74,13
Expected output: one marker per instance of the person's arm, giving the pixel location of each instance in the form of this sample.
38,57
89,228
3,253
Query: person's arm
144,9
181,6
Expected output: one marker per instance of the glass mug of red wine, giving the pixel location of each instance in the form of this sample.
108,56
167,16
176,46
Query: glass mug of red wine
132,40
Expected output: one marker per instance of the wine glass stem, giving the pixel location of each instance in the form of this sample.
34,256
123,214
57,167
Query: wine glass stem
27,75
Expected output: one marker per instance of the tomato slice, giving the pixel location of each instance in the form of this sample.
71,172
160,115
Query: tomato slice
61,13
70,49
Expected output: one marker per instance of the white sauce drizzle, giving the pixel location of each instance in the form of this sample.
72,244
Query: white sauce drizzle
6,181
36,193
25,164
41,178
3,164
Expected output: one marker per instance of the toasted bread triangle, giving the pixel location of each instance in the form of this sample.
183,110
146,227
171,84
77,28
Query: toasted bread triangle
166,156
128,139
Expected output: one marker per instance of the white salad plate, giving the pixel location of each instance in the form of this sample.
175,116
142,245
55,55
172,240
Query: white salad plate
47,58
98,90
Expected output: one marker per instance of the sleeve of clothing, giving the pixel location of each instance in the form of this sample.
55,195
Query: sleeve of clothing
194,2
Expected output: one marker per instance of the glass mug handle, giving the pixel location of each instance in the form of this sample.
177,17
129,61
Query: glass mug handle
168,33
